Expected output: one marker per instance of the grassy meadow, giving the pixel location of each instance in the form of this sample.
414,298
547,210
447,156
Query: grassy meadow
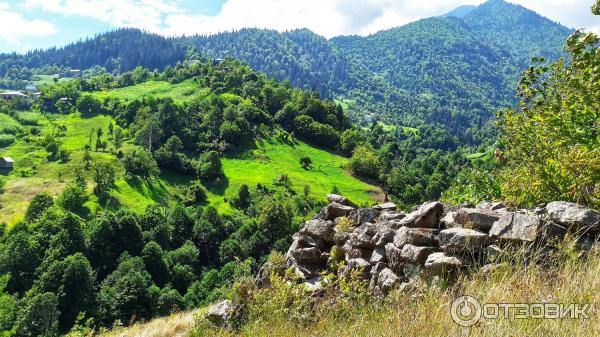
179,92
265,161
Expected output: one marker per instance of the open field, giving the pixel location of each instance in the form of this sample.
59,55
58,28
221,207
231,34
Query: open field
34,173
158,89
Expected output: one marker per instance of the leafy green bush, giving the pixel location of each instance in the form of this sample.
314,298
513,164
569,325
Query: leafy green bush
6,140
29,118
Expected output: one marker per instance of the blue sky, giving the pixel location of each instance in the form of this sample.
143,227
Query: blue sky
29,24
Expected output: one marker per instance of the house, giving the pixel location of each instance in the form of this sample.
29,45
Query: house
6,163
31,87
11,95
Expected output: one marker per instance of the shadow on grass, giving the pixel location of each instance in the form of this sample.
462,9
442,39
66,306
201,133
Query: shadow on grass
217,186
151,188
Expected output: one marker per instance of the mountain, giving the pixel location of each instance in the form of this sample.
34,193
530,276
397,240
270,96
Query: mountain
453,71
521,32
460,12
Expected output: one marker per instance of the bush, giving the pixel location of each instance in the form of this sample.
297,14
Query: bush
194,194
365,162
38,205
6,140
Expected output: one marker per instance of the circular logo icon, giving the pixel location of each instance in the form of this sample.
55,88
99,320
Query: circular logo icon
465,310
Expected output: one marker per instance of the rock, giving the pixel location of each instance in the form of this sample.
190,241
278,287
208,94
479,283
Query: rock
459,240
314,284
552,231
361,265
309,255
393,256
383,235
340,200
363,215
388,206
378,255
318,229
378,267
440,263
474,218
427,216
221,313
491,268
494,252
489,205
354,253
516,227
387,280
368,236
449,220
416,255
387,216
263,278
415,236
570,215
338,210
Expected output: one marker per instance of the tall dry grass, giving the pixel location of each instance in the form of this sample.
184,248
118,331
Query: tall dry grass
566,277
176,325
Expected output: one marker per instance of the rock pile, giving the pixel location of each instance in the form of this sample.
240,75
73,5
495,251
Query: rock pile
389,247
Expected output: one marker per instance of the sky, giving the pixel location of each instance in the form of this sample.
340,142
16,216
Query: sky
31,24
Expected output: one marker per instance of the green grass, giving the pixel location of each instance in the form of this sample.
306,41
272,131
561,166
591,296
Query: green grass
159,89
40,80
33,173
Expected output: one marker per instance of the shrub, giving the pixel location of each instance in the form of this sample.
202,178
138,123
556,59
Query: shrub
6,140
140,162
209,166
72,198
38,205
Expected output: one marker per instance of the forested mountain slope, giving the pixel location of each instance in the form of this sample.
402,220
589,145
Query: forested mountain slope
454,71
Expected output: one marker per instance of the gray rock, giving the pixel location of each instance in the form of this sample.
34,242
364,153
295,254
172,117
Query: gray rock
426,216
552,231
387,216
393,256
449,220
479,219
361,265
416,255
318,229
378,255
309,255
570,215
338,210
363,215
340,200
314,284
494,252
387,280
462,240
415,236
388,206
440,263
516,227
221,313
492,206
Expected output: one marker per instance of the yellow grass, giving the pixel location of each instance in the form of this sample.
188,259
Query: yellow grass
176,325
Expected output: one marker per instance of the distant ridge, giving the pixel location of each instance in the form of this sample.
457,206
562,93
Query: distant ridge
460,12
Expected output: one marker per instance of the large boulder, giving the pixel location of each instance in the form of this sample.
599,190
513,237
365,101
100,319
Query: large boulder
475,218
415,236
426,216
388,206
393,256
570,215
449,220
318,230
368,236
338,210
387,216
220,314
516,227
416,255
340,200
440,263
462,240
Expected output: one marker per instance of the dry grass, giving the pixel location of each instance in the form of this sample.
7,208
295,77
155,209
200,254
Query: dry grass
176,325
576,280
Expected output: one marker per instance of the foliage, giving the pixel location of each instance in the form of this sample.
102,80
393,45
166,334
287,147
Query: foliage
72,198
552,142
365,162
38,205
140,162
104,176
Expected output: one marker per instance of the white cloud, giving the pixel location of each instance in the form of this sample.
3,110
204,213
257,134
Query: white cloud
15,27
326,17
144,14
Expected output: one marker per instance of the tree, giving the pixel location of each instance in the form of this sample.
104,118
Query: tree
552,147
365,162
38,315
305,162
140,162
350,139
155,263
72,279
38,205
243,197
209,166
104,176
72,198
181,225
88,105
